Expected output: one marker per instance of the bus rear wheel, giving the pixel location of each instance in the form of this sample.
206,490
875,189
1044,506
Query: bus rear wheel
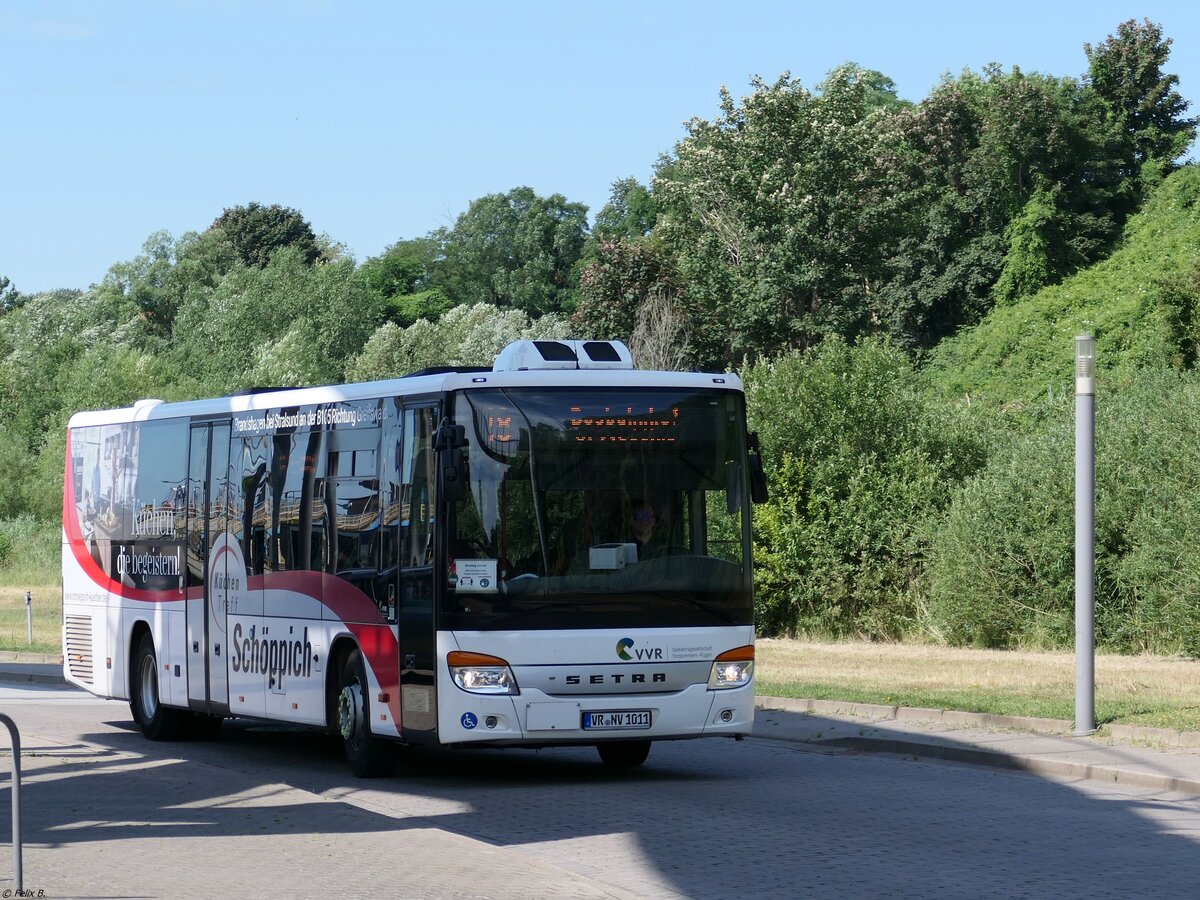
624,754
157,722
369,757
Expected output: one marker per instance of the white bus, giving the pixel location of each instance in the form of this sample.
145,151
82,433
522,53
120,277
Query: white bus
443,558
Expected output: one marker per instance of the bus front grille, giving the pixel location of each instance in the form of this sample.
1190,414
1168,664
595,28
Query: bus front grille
79,647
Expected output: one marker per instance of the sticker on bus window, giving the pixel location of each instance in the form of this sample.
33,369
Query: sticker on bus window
476,576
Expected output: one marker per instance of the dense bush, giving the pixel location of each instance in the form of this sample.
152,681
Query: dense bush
1001,567
859,461
14,457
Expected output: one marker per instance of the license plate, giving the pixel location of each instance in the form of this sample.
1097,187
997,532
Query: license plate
616,719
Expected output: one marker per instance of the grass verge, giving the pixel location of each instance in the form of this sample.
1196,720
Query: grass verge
47,619
1153,691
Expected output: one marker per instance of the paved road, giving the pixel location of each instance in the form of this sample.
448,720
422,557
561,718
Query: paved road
270,812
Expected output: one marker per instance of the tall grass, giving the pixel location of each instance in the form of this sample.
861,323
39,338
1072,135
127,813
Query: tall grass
30,552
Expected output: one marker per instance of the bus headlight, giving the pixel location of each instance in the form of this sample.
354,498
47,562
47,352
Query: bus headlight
732,669
479,673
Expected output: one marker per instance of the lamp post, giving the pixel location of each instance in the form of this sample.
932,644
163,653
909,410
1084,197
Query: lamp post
1085,535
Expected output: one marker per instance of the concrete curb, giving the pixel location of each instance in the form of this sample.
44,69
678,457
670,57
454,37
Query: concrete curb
23,656
21,667
1033,764
945,747
1139,733
32,678
919,714
1121,733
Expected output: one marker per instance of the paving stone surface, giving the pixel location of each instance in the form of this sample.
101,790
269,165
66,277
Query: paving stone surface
271,812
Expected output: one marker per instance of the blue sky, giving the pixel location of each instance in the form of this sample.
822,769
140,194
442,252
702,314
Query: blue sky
381,121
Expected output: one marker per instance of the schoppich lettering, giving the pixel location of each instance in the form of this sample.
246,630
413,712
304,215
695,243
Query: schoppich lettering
286,656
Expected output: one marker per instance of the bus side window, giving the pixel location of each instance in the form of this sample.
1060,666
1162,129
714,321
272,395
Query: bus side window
390,492
299,522
255,513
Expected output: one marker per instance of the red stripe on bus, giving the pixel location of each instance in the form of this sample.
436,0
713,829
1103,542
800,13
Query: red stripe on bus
359,613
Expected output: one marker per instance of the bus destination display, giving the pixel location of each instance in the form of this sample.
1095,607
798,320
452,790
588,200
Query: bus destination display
611,423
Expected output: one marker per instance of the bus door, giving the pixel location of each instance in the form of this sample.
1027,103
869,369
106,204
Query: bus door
418,520
208,513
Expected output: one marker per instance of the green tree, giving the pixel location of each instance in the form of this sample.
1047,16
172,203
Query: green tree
776,212
402,276
43,341
403,268
167,275
630,212
1139,98
291,321
257,232
10,297
514,250
624,275
1018,177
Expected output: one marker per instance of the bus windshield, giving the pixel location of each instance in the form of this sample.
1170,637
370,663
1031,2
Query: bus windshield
600,507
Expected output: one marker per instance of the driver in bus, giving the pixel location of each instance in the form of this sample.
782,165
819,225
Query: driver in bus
642,525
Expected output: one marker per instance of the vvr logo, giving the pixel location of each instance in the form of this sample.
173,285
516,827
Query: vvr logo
624,645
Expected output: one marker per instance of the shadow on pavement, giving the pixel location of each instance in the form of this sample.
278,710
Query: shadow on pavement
710,818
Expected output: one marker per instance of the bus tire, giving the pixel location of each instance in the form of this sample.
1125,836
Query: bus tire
369,756
624,754
157,722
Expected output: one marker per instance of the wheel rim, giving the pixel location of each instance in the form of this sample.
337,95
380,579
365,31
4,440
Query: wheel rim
350,713
148,695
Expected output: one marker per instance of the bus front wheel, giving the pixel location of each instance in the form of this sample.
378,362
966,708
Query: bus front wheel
624,754
369,757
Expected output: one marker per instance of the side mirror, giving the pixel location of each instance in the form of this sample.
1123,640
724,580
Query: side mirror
733,487
450,437
449,442
454,474
758,478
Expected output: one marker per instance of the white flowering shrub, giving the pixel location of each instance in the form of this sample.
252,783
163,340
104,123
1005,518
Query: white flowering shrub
467,335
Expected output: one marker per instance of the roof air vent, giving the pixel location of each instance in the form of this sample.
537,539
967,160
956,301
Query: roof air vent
570,354
556,351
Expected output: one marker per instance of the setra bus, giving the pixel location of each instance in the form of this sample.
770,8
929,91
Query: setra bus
443,558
